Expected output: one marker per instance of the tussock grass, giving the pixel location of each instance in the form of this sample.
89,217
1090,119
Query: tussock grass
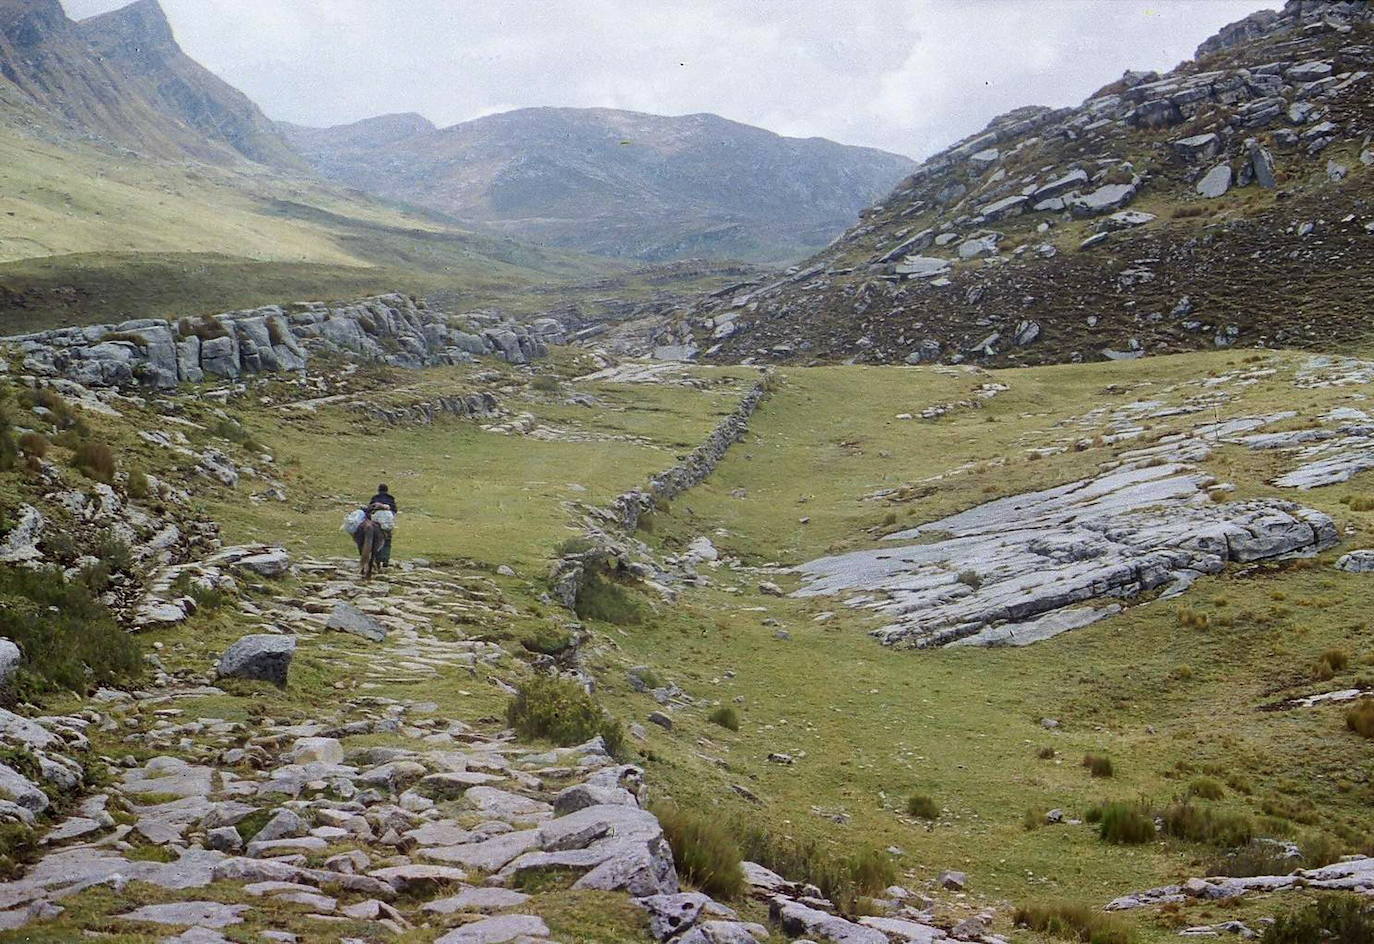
95,460
1072,922
703,850
604,598
1195,822
1124,824
726,717
1360,718
1099,766
1206,788
560,711
1334,919
844,879
922,806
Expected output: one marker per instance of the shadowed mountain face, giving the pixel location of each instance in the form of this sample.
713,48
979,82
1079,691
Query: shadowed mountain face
122,78
613,182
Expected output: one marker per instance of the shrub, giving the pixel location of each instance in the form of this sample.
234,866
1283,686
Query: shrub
1361,503
1195,823
1206,788
546,383
603,598
1099,766
234,431
112,550
95,460
1046,753
1320,849
970,578
574,546
1125,824
726,717
548,640
1190,618
35,445
1073,923
562,712
1360,718
69,639
871,870
138,487
1259,857
922,806
703,850
1343,919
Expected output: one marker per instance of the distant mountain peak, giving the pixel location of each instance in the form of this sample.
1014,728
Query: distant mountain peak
27,23
141,26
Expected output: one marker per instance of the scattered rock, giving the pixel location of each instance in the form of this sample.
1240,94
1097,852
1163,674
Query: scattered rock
262,658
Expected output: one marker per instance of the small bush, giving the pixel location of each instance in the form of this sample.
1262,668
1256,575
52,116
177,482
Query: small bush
970,578
872,871
1195,823
548,640
138,487
95,460
603,598
546,383
1362,503
844,880
561,711
113,551
1344,919
1046,753
726,717
1190,618
1125,824
922,806
1360,718
703,850
35,445
1072,923
1099,766
1320,849
1255,858
234,431
574,546
1206,788
69,639
1033,820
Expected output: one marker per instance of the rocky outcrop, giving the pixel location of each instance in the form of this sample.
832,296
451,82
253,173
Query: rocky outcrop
471,406
1025,568
390,329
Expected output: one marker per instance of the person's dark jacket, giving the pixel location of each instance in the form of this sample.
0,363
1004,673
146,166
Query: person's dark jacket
384,498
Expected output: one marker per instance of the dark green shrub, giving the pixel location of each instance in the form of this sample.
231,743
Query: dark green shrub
703,850
96,460
1256,858
872,871
138,487
922,806
69,639
561,711
1125,824
726,717
545,639
1343,919
574,546
1206,788
844,880
1072,923
234,431
603,598
546,383
1196,823
1099,766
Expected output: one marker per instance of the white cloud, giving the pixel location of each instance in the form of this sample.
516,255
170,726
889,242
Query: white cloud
907,75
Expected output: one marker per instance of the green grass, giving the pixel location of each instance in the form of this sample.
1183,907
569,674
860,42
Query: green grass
561,711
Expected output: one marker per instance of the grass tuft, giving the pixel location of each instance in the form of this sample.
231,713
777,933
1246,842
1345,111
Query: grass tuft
1343,919
922,806
1125,824
1072,922
1360,718
95,460
703,850
726,717
1099,766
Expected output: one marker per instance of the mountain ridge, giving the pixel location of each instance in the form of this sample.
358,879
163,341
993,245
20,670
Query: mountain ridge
615,182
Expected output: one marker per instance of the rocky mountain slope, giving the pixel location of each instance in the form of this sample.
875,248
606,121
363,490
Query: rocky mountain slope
614,182
1229,202
122,78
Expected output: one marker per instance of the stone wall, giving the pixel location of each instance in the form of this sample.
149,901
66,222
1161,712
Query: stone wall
389,329
473,405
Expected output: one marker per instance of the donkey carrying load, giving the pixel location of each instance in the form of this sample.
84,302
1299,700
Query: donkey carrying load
372,529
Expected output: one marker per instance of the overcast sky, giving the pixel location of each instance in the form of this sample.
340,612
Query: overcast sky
910,76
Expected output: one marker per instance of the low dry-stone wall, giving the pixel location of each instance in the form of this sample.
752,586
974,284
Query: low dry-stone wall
473,405
389,329
627,509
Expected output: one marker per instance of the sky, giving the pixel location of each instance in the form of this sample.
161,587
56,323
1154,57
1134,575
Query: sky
908,76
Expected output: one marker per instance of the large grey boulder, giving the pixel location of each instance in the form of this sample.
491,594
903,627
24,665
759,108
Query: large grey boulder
1198,148
798,920
498,930
922,267
273,563
1073,180
1357,562
262,658
17,788
10,659
1261,164
1103,200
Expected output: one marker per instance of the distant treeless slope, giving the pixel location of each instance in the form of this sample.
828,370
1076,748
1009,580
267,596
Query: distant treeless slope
616,183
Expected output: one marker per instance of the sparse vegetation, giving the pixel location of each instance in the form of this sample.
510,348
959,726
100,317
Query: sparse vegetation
970,578
1206,788
726,717
1329,663
922,806
1072,922
560,711
1360,718
1196,822
603,597
1332,919
703,850
1125,824
1099,766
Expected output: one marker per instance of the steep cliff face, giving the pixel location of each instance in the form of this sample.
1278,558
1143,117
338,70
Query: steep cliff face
614,182
1228,202
121,78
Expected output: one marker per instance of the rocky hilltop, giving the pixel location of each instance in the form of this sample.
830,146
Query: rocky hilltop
614,183
1228,202
121,78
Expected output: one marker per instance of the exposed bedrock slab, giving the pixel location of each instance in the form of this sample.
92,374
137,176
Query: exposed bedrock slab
1030,566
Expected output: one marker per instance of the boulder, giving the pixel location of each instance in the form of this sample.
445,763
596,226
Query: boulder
1310,72
498,930
346,618
10,659
1357,562
1198,148
262,658
274,563
1103,200
922,267
1216,182
1004,208
21,542
17,788
1261,164
798,920
317,750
